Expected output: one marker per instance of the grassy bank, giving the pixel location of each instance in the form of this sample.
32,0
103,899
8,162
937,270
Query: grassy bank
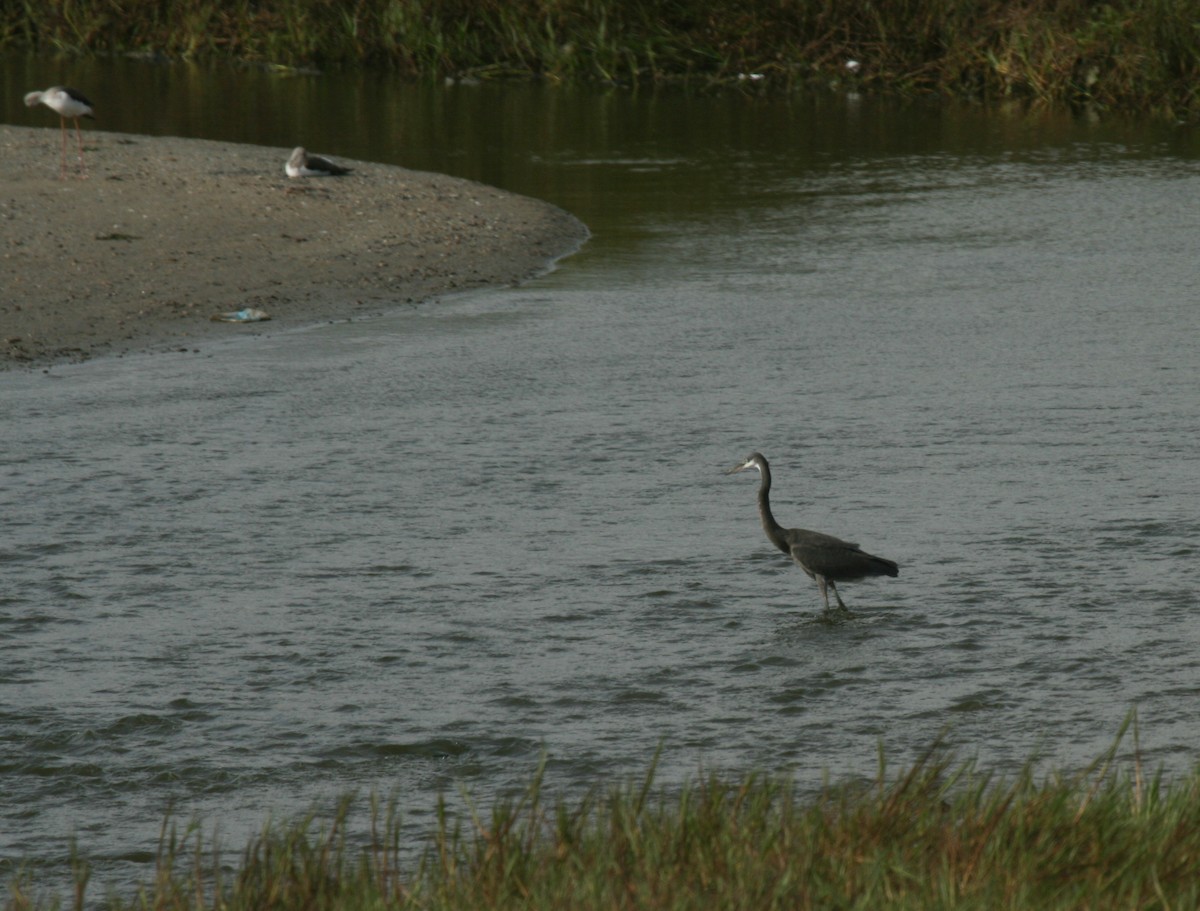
1139,55
939,835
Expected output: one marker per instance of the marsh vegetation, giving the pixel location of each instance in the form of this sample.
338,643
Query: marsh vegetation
939,834
1126,54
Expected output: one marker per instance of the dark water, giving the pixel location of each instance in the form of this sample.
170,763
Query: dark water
415,553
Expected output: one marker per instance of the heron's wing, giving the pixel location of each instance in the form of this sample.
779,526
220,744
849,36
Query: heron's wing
802,537
823,554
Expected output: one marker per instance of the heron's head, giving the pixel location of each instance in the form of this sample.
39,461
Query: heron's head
754,460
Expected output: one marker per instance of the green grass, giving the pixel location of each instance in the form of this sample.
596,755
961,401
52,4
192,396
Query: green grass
1134,55
939,835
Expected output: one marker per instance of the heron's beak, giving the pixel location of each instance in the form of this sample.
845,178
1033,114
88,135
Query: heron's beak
742,466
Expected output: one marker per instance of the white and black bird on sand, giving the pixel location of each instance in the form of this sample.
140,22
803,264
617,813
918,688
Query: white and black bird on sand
826,559
66,103
301,164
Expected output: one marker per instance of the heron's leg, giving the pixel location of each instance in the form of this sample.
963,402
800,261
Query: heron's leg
823,585
841,603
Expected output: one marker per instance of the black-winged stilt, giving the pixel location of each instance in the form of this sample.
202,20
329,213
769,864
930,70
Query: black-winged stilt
301,164
66,103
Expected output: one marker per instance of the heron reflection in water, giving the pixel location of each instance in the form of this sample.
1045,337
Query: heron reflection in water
826,559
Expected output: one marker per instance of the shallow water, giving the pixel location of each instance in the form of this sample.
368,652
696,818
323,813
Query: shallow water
416,552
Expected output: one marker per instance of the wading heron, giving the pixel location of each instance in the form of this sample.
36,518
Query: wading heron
826,559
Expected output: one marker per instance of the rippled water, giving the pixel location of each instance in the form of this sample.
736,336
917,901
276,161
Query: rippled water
417,552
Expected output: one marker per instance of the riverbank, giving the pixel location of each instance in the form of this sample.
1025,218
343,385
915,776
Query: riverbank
166,233
1122,55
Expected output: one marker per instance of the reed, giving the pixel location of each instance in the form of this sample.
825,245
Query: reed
940,834
1124,54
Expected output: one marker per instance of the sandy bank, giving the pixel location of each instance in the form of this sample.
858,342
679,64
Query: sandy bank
164,233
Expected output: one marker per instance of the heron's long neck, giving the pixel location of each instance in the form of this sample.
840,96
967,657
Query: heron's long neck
770,526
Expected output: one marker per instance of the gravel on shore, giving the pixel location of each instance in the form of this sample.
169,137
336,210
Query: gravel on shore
166,233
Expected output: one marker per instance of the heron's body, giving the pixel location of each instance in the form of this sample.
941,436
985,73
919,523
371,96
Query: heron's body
66,103
301,164
824,558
